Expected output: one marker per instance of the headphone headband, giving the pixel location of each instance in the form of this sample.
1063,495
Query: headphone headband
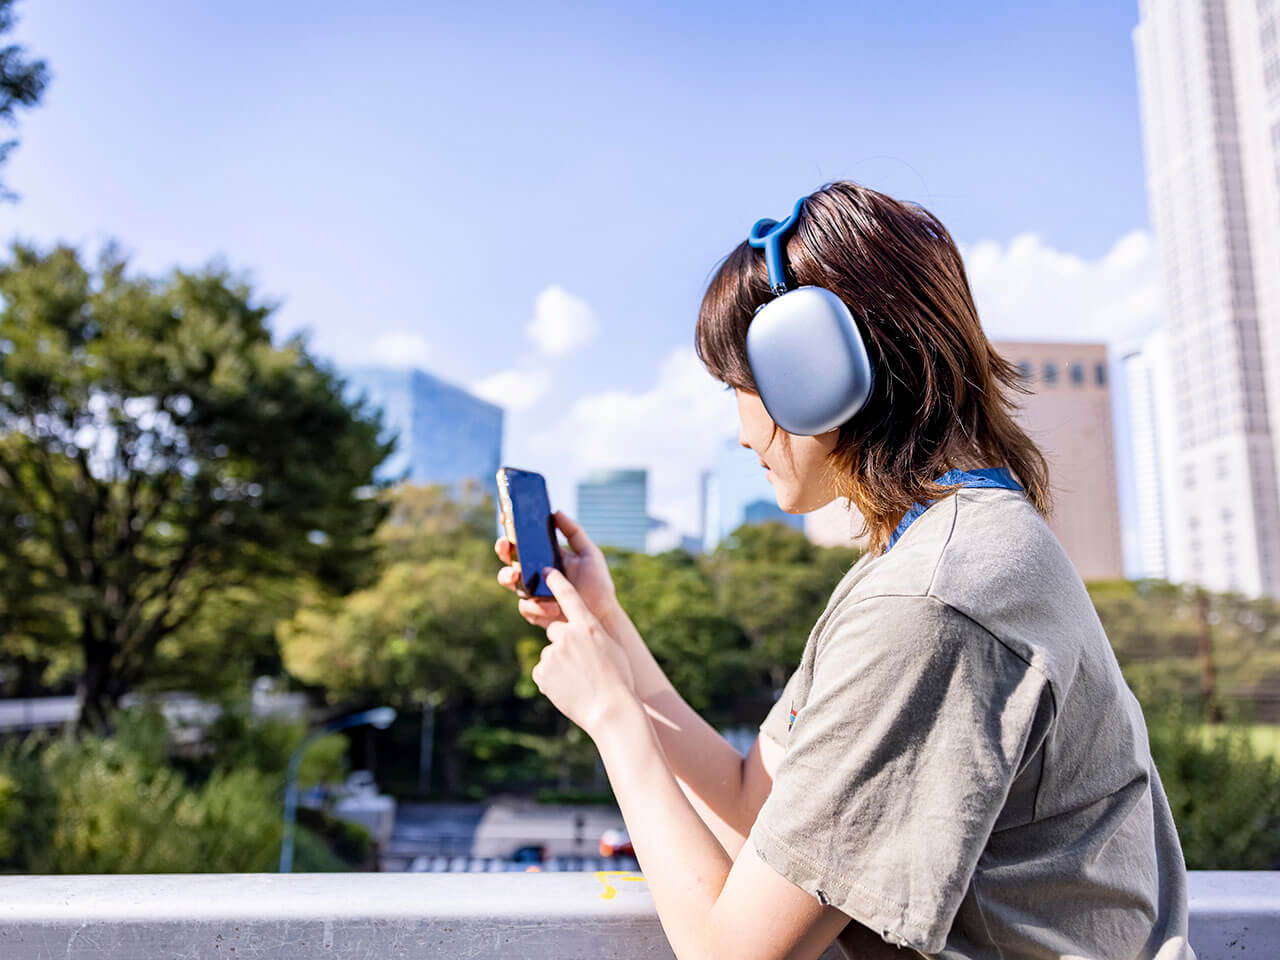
767,235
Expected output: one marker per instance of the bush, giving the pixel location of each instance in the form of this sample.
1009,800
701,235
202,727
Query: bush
118,805
1224,793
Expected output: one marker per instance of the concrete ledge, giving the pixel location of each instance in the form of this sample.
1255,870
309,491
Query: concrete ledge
561,915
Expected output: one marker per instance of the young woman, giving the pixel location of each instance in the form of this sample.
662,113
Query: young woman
956,767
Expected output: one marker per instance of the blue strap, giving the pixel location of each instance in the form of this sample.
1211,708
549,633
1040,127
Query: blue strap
767,235
985,477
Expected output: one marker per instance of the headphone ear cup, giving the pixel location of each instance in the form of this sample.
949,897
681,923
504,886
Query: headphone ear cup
809,362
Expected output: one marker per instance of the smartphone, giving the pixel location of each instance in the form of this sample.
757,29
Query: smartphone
527,520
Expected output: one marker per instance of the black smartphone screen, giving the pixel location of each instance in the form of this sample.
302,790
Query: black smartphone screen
535,529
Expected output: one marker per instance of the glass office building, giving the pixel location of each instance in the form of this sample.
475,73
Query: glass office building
613,508
445,435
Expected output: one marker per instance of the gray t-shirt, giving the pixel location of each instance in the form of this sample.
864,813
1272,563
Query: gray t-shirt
966,773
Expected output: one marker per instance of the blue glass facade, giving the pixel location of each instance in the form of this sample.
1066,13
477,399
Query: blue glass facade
446,435
613,508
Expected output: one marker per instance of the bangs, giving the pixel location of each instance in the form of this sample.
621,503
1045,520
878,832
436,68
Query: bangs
736,291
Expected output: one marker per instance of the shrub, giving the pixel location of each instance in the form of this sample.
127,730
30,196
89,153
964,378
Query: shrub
118,805
1224,793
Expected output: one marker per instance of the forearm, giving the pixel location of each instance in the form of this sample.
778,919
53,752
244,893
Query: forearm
684,864
708,770
649,678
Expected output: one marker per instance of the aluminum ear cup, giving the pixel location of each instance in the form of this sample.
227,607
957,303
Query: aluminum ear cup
805,351
809,361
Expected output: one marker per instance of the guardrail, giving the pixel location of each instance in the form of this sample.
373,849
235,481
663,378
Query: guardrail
346,916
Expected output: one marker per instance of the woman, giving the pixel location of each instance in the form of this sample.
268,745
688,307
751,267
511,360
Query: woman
956,768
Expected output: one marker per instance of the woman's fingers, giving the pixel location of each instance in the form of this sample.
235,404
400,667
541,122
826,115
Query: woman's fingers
508,576
502,547
577,537
540,612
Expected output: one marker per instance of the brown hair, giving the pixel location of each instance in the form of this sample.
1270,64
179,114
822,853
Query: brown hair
942,397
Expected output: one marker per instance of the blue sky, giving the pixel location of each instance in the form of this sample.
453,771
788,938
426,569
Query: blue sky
424,182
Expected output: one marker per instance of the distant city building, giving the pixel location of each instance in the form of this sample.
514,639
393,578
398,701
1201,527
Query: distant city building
1069,417
613,508
768,511
835,525
736,491
1151,409
690,543
446,435
1209,79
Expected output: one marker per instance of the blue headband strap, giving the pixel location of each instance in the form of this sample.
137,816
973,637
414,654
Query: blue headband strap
767,235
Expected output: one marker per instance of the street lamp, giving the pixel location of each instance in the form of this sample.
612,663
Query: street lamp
380,717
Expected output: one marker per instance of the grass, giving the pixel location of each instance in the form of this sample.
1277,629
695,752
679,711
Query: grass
1264,737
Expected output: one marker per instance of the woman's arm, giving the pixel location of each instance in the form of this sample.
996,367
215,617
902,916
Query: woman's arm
725,788
710,905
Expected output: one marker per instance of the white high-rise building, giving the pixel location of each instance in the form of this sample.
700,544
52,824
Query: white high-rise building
1162,546
1203,80
1255,57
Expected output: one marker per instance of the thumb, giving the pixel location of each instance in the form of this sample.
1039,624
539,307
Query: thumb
566,594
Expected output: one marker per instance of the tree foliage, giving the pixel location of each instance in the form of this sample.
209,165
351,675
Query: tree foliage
434,627
158,449
22,82
121,804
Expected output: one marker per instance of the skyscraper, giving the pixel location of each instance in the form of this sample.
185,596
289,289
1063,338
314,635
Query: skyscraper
446,435
1209,81
613,508
1145,371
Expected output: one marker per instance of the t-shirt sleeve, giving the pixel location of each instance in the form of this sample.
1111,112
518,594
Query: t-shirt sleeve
776,722
897,764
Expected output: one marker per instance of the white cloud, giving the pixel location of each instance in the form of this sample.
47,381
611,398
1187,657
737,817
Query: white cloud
1027,290
672,429
561,321
513,389
399,348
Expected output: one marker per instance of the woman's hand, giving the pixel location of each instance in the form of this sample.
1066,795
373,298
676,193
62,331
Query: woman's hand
583,670
585,567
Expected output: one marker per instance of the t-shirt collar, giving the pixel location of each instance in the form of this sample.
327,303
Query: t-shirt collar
981,477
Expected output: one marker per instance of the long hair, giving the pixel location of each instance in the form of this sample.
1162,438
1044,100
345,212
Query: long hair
942,397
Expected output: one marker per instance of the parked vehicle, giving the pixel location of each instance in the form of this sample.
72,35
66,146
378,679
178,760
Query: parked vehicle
616,843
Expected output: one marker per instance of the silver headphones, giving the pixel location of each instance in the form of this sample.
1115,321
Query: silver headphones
806,354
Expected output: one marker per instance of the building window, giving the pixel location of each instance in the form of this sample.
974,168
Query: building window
1100,374
1077,374
1189,476
1050,372
1024,370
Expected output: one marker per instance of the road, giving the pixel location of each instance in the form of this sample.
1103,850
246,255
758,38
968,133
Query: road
482,837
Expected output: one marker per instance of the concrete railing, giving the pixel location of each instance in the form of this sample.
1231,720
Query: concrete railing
477,916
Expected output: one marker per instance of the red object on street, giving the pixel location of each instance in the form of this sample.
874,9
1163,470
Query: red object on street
616,843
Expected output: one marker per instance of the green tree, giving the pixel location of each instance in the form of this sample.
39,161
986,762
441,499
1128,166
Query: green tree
124,804
435,627
704,652
22,82
774,584
425,523
156,450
